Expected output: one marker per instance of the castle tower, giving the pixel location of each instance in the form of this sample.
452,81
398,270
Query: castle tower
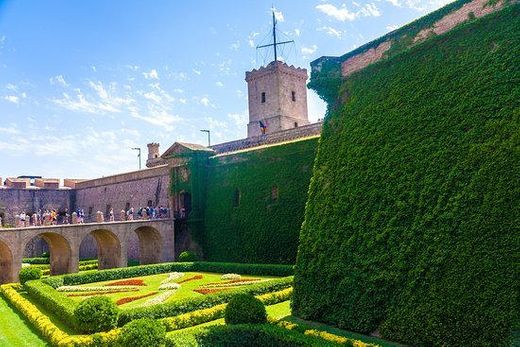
154,158
277,96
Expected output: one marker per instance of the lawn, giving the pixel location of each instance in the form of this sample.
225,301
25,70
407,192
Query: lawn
14,331
153,282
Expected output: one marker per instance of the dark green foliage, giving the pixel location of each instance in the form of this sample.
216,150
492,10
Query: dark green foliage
59,304
245,309
413,217
142,332
96,314
145,270
257,335
188,256
263,228
29,273
37,260
181,306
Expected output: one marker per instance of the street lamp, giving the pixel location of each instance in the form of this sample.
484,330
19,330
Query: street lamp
209,136
138,155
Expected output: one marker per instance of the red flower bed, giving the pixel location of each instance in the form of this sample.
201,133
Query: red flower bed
133,298
130,282
206,291
196,277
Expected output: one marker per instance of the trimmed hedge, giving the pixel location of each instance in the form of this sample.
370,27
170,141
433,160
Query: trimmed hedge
412,222
142,332
29,273
145,270
181,306
96,314
256,335
245,309
265,226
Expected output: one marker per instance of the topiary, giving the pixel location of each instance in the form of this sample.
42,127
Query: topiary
244,309
187,256
29,273
95,314
142,332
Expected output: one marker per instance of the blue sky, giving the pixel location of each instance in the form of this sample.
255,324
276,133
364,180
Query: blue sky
81,82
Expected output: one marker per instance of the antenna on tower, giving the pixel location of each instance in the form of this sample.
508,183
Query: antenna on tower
275,43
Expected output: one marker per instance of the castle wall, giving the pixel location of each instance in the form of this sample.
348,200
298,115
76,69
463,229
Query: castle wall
14,201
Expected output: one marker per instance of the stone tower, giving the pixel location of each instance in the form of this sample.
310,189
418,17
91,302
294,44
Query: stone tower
154,158
277,95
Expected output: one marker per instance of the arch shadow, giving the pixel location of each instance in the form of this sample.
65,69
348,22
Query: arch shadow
6,264
108,248
60,252
150,245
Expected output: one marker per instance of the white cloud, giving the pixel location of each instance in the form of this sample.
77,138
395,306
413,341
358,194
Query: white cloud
205,101
179,76
297,32
9,130
240,119
58,80
12,98
392,27
342,14
235,46
197,72
153,74
251,39
419,5
306,51
219,84
331,31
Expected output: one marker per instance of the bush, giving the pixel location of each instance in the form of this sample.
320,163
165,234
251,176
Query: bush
29,273
142,332
96,314
245,309
62,306
188,256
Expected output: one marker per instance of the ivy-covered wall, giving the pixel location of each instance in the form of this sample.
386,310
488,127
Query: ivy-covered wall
412,224
271,185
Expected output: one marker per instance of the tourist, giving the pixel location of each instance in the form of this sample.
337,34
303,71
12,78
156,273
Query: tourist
130,214
111,215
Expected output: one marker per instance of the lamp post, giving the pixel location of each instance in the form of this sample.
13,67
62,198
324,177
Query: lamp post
209,135
138,155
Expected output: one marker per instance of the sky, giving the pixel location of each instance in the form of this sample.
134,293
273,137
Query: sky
84,82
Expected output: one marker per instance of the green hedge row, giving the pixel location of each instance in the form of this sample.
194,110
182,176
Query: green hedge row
264,225
36,260
191,304
145,270
60,305
252,335
412,222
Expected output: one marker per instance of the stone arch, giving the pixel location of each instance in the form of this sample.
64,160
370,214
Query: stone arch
6,263
108,248
60,252
150,245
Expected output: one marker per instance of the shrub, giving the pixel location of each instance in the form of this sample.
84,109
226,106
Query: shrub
245,309
96,314
29,273
142,332
188,256
62,306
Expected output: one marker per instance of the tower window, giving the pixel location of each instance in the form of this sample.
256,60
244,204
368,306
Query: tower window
293,93
263,97
295,124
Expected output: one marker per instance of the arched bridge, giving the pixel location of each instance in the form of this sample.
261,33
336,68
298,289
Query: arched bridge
156,244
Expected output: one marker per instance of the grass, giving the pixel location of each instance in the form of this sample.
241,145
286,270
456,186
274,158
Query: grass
152,285
14,331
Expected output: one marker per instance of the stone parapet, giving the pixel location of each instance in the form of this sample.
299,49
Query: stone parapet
280,136
124,177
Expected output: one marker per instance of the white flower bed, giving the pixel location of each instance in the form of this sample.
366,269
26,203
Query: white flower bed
236,284
172,277
230,277
159,299
96,289
169,286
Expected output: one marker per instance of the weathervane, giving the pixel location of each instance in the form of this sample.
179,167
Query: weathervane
274,44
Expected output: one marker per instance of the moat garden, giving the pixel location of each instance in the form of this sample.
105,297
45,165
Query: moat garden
168,304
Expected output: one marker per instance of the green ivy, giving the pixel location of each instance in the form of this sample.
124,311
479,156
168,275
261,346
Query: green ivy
411,227
263,228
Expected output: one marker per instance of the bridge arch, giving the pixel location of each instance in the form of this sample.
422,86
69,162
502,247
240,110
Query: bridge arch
108,248
150,245
6,263
60,252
